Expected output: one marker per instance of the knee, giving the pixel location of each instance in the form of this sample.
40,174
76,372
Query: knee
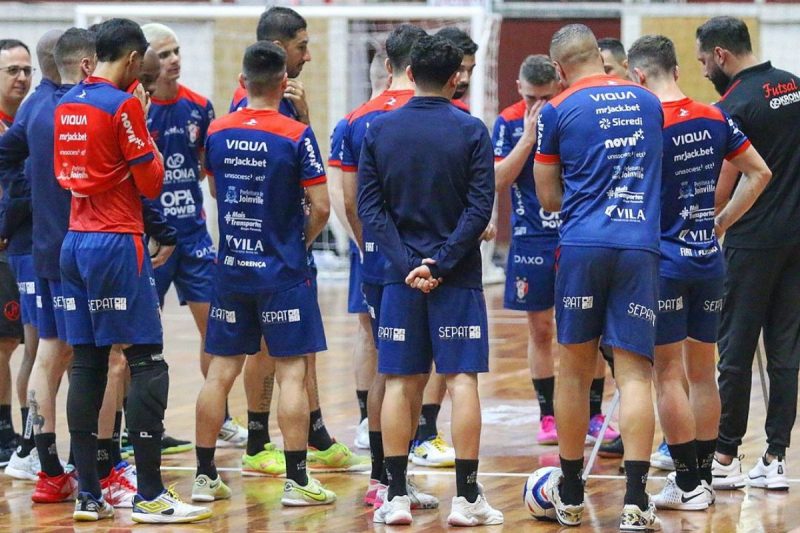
291,371
540,329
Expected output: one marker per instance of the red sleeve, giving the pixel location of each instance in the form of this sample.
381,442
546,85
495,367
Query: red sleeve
138,149
149,177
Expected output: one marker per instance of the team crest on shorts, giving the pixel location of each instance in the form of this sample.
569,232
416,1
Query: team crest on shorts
522,288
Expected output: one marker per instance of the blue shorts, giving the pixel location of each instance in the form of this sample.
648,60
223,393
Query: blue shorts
373,295
530,275
50,309
22,265
109,290
448,326
607,292
191,269
356,303
688,308
289,321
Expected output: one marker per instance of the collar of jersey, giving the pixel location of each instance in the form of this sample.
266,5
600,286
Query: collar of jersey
251,111
678,103
766,65
169,101
97,79
598,79
5,117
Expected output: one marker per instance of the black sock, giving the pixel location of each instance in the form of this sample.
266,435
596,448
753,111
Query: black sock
257,431
84,448
362,403
317,432
467,479
635,483
705,457
376,454
296,466
396,475
6,425
26,443
685,458
148,463
227,412
545,390
596,397
48,454
104,464
205,462
427,422
572,488
116,453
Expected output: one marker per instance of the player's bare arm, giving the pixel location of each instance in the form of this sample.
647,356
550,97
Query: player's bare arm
507,170
548,185
350,193
320,208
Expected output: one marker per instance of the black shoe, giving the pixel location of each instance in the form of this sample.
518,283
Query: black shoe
170,445
612,450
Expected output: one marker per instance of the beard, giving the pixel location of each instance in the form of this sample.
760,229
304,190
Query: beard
719,79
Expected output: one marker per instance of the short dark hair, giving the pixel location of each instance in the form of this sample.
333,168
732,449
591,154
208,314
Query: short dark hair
538,70
117,38
614,46
279,24
653,54
434,59
399,45
729,33
459,38
72,46
263,66
8,44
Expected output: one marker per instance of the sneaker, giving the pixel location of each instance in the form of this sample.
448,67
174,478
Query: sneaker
205,489
770,476
7,449
673,497
372,492
170,445
547,431
433,452
232,435
712,495
479,513
728,477
661,458
295,495
634,519
87,509
362,436
118,491
55,489
128,471
167,508
268,462
125,446
394,512
337,458
567,515
24,467
595,425
612,450
419,499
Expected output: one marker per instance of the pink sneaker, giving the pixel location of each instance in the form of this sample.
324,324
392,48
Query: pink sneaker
595,425
372,492
547,431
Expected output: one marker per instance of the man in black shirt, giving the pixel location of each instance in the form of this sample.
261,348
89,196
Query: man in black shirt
762,251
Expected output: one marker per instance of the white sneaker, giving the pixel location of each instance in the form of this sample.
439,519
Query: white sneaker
394,512
770,476
673,497
362,435
24,467
231,435
634,519
661,458
479,513
567,515
167,508
117,489
433,452
712,494
727,477
128,471
419,499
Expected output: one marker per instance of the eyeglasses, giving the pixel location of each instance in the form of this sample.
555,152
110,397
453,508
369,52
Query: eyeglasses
14,70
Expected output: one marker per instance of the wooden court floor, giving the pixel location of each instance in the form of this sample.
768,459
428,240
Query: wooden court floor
508,454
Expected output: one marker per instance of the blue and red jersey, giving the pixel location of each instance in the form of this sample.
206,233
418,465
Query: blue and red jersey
239,101
104,155
697,137
335,158
179,128
261,161
607,135
528,218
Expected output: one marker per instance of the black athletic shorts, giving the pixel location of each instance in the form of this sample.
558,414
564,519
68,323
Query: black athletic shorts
10,324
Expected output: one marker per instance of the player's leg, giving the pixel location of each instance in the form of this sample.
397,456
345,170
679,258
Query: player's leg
10,336
373,295
430,448
596,417
541,330
365,361
261,457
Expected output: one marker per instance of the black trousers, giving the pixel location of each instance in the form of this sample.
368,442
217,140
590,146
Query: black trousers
762,290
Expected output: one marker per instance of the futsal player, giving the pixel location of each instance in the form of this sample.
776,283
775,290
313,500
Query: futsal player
606,282
762,254
697,139
615,61
264,287
106,158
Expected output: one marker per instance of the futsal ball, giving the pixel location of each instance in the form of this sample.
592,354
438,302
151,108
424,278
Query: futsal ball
534,496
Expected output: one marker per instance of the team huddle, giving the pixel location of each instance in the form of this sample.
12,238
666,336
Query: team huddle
621,189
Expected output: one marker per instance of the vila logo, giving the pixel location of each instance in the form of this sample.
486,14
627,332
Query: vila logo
625,213
696,235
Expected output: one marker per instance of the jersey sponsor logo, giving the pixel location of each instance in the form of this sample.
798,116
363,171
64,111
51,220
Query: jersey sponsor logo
243,244
549,220
237,161
450,333
501,134
72,137
235,196
642,312
608,96
619,142
713,306
628,197
132,138
696,235
284,316
205,251
670,305
694,212
528,260
74,120
620,108
175,160
223,315
625,214
521,288
691,137
520,230
178,203
628,172
246,177
244,145
607,123
238,219
108,304
784,100
780,94
391,334
370,246
26,287
313,160
174,130
67,304
578,302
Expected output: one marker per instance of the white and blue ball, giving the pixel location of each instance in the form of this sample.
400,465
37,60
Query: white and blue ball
535,497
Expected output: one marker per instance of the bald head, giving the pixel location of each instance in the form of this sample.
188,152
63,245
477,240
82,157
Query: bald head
45,53
151,68
574,49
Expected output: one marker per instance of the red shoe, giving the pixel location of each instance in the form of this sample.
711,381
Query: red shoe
118,491
55,489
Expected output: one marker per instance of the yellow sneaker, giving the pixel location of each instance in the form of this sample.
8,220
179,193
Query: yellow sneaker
434,452
337,458
268,462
